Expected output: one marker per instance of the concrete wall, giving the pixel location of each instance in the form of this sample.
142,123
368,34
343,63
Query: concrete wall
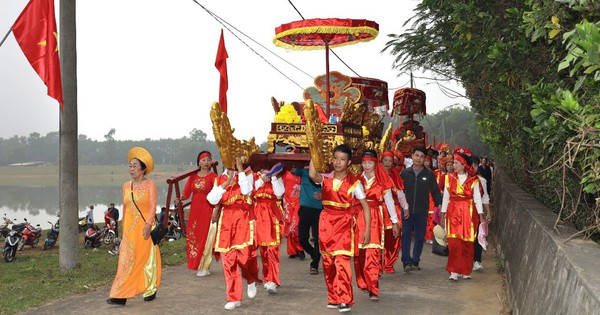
545,275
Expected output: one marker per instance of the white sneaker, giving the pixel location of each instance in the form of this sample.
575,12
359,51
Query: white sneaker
233,305
252,290
430,242
203,273
271,287
477,266
466,276
453,276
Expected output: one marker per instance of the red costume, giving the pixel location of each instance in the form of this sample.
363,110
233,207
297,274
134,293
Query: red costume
337,236
269,226
198,222
368,263
291,204
392,245
461,220
235,233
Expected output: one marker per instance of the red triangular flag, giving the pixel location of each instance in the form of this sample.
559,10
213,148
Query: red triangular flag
36,34
221,64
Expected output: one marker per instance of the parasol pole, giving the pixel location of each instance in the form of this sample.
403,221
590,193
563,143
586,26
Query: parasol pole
327,78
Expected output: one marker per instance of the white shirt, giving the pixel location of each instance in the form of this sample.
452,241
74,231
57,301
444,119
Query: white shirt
476,195
485,199
387,198
89,212
216,193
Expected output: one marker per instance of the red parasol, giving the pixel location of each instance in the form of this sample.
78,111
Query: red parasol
324,34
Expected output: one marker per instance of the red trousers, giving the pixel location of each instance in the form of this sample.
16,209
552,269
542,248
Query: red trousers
391,247
246,260
366,267
269,256
430,226
460,257
338,277
293,244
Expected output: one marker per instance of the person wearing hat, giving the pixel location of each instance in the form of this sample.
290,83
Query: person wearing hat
419,183
139,268
198,224
378,188
461,196
391,243
235,231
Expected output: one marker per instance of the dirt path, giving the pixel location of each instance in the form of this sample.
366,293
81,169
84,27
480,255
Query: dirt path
425,292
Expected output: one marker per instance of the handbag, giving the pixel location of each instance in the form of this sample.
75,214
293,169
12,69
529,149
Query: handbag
159,231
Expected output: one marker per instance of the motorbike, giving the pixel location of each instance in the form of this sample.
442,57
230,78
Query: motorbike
174,231
12,241
52,235
95,237
6,226
82,224
31,235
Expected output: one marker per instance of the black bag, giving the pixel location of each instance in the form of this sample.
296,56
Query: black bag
438,249
159,231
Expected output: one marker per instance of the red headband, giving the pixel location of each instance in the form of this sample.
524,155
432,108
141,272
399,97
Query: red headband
387,153
460,159
205,154
369,158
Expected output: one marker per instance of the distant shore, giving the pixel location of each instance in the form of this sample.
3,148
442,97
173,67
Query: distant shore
89,175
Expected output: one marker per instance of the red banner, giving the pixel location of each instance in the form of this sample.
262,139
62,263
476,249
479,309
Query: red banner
221,64
35,32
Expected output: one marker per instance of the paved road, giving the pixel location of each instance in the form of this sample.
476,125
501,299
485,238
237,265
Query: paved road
424,292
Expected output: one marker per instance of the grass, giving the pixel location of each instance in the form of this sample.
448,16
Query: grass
89,175
34,278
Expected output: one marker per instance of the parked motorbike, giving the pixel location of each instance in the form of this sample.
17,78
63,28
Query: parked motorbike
95,236
12,241
52,235
174,231
82,224
31,235
6,226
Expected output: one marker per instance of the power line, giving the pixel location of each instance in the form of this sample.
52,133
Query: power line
223,23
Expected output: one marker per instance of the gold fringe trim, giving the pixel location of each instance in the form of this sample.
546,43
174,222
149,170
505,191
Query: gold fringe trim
324,30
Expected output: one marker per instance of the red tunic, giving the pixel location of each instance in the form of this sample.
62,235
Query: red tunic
198,222
337,235
235,229
291,202
461,215
269,215
398,185
375,194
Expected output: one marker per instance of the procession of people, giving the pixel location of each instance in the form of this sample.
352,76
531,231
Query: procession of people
366,220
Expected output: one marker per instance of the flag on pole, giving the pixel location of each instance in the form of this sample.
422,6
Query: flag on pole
36,33
221,65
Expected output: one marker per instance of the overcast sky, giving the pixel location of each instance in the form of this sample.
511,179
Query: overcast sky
146,67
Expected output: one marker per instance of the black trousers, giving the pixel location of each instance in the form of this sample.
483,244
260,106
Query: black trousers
478,248
309,219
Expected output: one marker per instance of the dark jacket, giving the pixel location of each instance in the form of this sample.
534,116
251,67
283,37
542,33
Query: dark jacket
417,189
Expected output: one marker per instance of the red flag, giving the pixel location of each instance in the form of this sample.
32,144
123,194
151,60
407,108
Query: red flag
36,34
221,64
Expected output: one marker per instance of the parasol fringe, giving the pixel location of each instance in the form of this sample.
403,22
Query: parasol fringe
325,30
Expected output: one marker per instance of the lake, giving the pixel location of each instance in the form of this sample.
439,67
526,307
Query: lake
40,204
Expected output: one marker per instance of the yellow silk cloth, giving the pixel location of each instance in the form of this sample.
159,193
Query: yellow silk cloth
139,269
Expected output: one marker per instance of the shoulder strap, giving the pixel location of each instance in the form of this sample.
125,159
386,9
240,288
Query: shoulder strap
136,206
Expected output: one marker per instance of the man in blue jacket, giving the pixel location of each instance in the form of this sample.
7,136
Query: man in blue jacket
419,183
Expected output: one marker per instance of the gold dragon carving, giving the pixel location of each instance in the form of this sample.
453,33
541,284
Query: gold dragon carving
384,144
314,136
229,146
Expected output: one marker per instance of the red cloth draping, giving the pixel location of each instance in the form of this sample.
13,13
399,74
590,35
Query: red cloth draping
36,33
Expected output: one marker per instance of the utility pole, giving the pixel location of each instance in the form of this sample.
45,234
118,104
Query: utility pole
68,254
